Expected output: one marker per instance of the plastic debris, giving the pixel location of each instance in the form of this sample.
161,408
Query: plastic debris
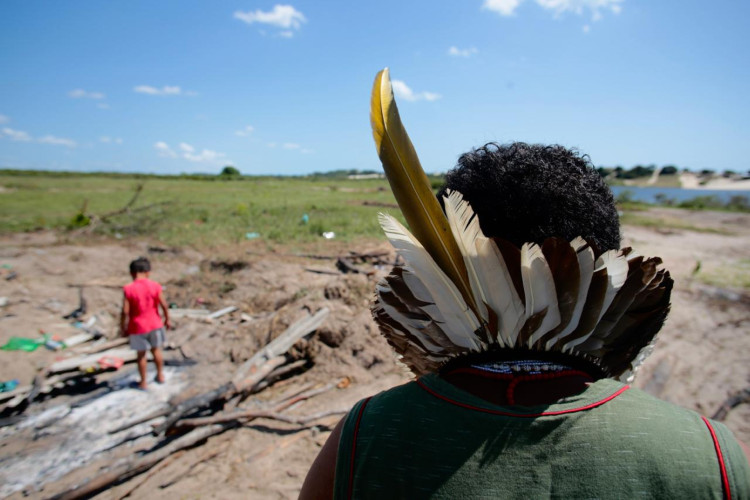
54,345
9,385
252,235
111,362
24,344
329,235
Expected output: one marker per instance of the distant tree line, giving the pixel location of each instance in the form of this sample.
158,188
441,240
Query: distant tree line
639,171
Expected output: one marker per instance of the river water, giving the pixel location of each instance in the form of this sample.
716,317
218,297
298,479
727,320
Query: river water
649,194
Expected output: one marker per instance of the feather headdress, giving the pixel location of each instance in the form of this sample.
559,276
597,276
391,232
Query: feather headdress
461,292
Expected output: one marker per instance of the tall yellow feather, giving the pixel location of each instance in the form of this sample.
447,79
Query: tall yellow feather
412,188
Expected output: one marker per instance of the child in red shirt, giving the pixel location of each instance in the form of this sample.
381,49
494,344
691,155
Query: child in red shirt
140,320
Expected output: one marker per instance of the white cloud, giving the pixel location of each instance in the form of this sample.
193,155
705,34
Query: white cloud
57,141
102,105
85,94
508,7
206,155
21,136
400,89
245,131
4,119
165,90
272,144
285,17
455,51
290,145
586,28
16,135
578,6
502,7
188,152
110,140
164,150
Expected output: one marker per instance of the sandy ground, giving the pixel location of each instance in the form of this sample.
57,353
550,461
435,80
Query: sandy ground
689,180
700,359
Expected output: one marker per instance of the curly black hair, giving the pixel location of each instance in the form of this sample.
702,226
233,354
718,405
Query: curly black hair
140,265
529,192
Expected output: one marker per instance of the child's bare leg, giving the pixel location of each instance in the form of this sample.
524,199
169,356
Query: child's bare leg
159,361
142,361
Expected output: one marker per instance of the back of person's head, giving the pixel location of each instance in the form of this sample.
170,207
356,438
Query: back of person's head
530,192
140,265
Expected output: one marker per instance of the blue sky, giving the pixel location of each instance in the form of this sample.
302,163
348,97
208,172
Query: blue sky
283,88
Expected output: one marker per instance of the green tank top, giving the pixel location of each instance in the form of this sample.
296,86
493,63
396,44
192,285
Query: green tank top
430,439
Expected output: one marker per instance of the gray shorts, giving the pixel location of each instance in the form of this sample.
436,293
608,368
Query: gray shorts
146,341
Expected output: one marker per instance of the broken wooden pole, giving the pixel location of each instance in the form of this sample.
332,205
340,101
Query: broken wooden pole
272,413
125,470
250,374
216,397
279,345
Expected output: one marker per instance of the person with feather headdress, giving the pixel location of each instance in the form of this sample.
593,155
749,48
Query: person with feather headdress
524,321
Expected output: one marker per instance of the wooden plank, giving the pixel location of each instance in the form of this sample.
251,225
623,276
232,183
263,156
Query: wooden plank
221,312
78,339
103,346
66,365
188,313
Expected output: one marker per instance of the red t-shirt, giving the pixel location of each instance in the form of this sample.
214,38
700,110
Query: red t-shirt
143,297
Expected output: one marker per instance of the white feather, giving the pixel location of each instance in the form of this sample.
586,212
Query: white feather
539,288
617,272
498,286
459,322
465,228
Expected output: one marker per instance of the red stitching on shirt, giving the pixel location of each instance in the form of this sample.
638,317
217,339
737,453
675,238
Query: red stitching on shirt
354,447
722,467
523,415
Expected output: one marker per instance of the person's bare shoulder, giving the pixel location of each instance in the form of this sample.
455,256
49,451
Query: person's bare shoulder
319,482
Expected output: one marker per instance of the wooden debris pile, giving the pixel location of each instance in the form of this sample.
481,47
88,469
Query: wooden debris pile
192,420
88,355
353,262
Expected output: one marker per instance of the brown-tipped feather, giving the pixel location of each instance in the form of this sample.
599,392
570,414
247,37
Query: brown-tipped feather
634,284
411,187
512,257
643,329
641,275
563,262
654,296
530,326
400,340
404,300
592,308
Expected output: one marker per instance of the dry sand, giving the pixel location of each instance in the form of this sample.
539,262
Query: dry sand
700,359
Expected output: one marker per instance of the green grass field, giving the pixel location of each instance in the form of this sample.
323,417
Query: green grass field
199,212
209,212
